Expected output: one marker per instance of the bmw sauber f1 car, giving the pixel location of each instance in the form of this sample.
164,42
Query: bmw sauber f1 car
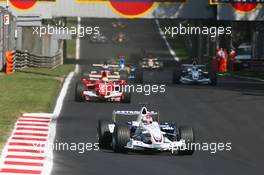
142,131
151,63
101,89
194,74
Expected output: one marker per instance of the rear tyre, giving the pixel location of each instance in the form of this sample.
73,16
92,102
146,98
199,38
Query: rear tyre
85,75
176,76
126,97
123,75
213,78
103,134
79,88
187,134
139,75
120,138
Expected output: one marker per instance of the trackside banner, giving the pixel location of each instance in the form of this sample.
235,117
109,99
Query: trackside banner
240,10
192,9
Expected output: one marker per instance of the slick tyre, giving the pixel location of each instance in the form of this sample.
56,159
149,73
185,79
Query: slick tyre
213,78
176,76
120,138
79,88
103,134
187,134
126,98
123,75
139,75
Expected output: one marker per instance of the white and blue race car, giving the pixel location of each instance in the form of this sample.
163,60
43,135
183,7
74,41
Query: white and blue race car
142,131
194,74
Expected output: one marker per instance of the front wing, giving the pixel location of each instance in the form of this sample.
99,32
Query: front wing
167,146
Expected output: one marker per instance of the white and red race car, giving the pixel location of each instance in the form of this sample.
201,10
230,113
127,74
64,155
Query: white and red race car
101,87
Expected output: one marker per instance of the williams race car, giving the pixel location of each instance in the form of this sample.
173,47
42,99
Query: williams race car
194,74
142,131
106,88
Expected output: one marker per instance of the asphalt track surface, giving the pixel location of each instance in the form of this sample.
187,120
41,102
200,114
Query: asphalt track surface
231,112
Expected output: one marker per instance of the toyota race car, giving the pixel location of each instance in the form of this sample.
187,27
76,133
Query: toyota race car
102,89
194,74
142,131
98,38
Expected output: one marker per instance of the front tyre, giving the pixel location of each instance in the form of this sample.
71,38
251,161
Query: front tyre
103,134
213,78
186,133
79,88
120,138
176,76
126,97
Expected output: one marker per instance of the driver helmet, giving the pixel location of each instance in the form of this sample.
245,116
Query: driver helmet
104,77
122,60
105,65
147,119
194,62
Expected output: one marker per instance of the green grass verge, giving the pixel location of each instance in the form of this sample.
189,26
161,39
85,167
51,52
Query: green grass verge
30,90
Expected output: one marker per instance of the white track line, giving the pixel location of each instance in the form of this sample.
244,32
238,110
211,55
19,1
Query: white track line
78,46
52,130
166,41
59,104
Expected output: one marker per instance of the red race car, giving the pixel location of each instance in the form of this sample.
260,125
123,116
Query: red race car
102,89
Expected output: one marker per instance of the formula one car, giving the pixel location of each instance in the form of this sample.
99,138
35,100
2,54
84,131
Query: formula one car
142,131
118,24
98,38
151,62
109,69
103,89
133,73
194,74
120,38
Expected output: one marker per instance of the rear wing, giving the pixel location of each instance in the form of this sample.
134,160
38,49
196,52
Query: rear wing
99,76
126,116
186,66
155,59
108,65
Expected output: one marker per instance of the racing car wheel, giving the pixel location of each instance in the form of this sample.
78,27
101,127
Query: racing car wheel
213,77
120,138
103,134
79,88
187,134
